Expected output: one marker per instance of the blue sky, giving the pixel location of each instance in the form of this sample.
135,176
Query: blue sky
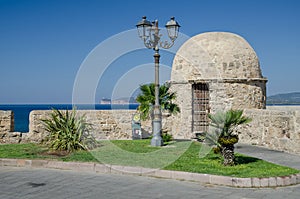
43,43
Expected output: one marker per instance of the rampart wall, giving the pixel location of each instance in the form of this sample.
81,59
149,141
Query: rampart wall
7,127
276,128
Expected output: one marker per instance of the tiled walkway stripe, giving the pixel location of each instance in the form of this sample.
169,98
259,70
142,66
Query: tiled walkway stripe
126,170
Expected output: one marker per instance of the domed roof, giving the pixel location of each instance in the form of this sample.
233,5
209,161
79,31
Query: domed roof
215,55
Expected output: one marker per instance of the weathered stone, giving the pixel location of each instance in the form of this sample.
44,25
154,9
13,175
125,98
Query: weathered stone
264,182
272,182
6,121
293,179
222,180
163,173
230,68
7,127
199,177
107,124
179,175
255,182
261,131
242,182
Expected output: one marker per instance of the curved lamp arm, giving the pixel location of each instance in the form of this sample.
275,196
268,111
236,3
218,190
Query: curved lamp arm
149,33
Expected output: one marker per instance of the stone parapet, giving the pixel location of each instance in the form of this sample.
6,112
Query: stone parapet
277,129
107,124
7,127
6,121
274,128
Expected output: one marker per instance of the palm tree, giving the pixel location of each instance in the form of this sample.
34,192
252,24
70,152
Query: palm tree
147,99
225,124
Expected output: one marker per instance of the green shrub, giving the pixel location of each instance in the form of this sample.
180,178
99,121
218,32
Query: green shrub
223,134
166,137
68,132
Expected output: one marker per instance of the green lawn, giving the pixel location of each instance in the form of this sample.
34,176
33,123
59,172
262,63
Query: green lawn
180,156
212,164
30,151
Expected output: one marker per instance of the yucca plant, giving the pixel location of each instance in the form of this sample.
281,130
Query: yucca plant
68,131
224,135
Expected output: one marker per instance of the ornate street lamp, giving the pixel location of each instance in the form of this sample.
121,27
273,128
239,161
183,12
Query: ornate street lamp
149,33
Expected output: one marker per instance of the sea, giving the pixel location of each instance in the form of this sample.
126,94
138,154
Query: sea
21,111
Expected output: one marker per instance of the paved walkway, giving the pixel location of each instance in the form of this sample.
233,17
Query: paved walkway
21,182
270,155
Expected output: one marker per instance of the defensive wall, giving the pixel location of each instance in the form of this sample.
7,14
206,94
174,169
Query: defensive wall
276,127
7,134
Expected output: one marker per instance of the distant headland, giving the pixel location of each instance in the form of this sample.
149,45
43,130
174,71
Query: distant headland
284,99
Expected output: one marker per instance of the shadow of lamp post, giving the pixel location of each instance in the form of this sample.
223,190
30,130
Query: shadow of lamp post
149,33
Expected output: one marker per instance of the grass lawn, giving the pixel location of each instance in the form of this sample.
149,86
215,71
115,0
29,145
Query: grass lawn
212,164
180,156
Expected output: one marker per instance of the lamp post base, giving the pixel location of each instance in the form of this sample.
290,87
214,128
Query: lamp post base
156,128
156,141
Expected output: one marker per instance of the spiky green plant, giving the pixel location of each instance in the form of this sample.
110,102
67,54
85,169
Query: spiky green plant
68,131
224,136
228,121
147,100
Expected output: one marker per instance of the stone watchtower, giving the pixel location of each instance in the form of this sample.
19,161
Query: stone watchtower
214,71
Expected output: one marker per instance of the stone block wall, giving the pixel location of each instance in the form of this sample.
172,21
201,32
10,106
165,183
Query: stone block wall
7,127
277,129
235,93
180,125
223,95
107,124
242,93
6,121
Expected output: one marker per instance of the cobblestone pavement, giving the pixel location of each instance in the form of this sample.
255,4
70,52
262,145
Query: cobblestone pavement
25,183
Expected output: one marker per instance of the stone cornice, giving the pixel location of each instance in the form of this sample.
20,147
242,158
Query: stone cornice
228,80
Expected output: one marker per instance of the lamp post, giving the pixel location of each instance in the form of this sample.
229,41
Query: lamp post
149,33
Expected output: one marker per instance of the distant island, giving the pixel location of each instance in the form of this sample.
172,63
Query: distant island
284,99
123,100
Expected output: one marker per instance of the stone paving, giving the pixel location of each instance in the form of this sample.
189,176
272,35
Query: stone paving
25,183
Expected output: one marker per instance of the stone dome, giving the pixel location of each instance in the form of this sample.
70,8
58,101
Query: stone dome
215,55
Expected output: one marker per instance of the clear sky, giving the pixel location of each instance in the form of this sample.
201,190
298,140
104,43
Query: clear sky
43,43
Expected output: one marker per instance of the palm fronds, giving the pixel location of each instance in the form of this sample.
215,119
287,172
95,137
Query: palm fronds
221,134
147,99
227,121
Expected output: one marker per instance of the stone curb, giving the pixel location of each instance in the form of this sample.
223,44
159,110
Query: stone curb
140,171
